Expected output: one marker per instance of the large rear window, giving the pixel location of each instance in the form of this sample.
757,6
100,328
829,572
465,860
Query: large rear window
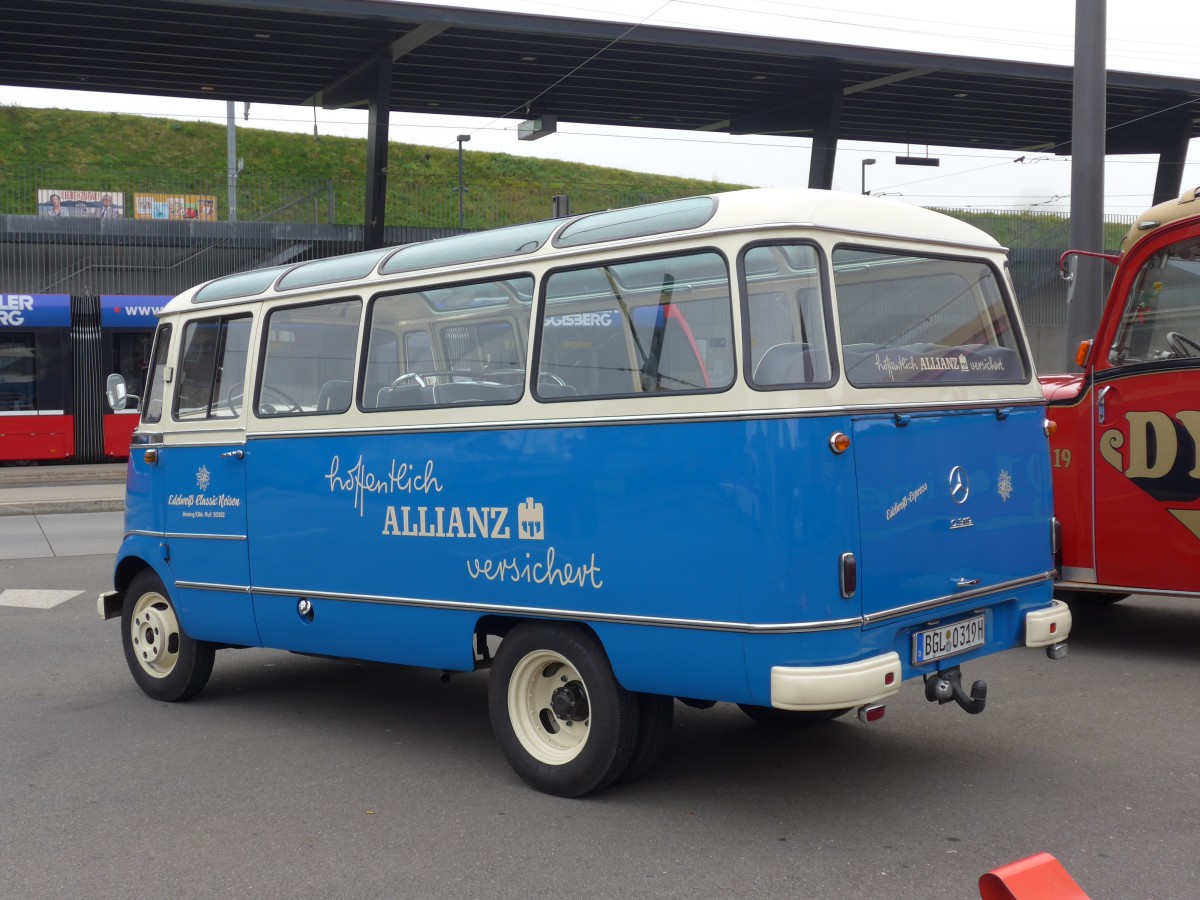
912,320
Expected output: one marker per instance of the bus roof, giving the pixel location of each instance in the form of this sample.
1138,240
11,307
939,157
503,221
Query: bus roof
1172,210
757,207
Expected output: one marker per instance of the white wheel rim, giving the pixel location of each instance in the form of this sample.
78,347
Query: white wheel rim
547,736
154,631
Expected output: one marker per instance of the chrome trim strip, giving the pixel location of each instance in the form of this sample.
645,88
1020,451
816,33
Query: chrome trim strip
181,534
623,619
1074,573
1016,583
224,588
538,612
515,423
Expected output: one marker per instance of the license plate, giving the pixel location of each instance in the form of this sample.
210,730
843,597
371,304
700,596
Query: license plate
948,640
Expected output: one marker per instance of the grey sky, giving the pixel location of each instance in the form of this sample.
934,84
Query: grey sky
1143,36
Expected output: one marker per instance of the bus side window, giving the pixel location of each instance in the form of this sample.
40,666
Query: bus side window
462,344
152,403
638,327
212,371
787,329
309,363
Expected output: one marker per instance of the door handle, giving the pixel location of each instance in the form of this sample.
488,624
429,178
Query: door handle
233,454
1100,401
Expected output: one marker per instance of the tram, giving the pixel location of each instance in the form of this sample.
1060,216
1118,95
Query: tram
55,353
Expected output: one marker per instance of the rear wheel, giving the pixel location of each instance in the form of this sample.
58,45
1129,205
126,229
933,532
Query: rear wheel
656,716
790,718
562,721
165,662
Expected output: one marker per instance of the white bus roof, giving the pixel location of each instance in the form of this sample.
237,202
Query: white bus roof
849,214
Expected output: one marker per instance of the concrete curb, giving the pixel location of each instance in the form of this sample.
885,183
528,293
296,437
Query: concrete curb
55,507
65,474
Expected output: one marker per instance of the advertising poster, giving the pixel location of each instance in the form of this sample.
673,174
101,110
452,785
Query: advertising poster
60,203
197,207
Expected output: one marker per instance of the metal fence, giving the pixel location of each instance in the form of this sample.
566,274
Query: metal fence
282,220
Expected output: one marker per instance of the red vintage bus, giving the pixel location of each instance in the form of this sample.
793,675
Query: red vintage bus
1126,465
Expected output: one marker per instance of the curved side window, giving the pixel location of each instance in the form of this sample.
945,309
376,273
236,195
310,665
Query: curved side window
152,406
212,369
308,362
648,326
788,332
448,345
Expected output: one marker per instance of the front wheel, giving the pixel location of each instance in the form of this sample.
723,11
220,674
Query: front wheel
165,662
562,721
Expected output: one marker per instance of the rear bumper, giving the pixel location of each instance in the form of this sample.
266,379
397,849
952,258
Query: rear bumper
1051,625
812,688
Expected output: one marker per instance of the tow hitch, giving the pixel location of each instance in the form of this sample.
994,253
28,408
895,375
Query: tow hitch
942,687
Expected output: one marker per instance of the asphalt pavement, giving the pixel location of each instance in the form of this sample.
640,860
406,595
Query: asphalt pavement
60,510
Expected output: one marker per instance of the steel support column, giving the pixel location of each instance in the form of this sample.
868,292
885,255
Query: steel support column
1174,136
1086,296
824,145
379,106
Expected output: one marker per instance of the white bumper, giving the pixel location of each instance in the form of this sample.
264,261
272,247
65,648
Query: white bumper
812,688
1044,627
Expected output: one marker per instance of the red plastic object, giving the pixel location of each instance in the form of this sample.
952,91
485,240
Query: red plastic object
1037,877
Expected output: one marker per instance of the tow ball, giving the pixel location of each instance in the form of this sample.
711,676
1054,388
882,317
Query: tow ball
944,686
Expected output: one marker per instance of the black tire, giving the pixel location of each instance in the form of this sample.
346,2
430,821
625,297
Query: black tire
790,718
562,721
1082,599
166,663
656,716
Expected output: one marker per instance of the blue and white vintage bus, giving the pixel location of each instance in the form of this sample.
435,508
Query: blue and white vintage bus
778,448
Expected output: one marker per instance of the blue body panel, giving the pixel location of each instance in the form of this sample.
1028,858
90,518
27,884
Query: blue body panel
701,553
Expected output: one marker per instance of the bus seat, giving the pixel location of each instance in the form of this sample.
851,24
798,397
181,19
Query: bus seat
335,396
403,396
792,363
476,392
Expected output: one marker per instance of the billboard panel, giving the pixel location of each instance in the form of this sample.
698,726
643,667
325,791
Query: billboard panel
197,207
61,203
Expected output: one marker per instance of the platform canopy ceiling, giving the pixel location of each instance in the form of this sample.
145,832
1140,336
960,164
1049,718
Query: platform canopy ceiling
474,63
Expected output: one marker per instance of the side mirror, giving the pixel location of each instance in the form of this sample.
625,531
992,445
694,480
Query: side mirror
115,392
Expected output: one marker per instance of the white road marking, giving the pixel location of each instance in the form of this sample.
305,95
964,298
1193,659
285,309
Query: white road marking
30,599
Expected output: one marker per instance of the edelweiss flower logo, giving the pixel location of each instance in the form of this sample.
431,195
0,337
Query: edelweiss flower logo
203,477
1004,485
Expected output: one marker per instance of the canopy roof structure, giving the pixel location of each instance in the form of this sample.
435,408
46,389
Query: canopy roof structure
426,58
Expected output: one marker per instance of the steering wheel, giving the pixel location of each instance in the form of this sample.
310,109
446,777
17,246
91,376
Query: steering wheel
550,378
234,397
409,376
1183,347
268,409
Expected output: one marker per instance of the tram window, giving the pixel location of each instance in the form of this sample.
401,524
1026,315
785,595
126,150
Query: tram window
153,401
212,369
18,385
309,361
131,358
660,325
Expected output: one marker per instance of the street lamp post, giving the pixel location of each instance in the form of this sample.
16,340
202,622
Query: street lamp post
462,139
865,163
